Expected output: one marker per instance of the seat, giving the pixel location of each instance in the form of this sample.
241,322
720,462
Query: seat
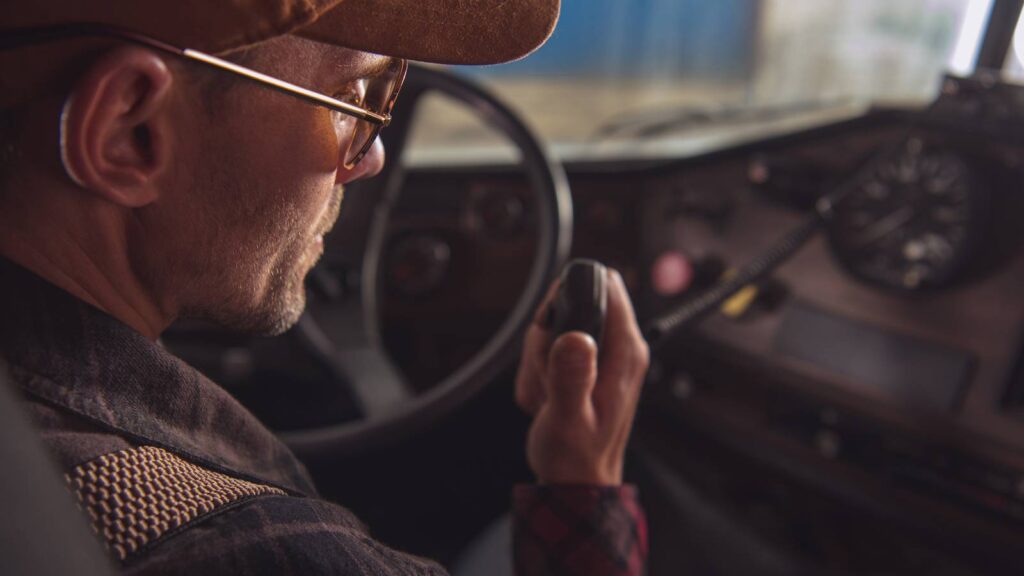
42,531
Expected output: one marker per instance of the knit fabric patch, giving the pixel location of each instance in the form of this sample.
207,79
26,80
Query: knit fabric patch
135,496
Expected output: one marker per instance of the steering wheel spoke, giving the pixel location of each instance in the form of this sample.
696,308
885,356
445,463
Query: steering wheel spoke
376,382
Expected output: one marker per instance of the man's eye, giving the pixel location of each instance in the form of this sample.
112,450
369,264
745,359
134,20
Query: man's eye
352,93
353,98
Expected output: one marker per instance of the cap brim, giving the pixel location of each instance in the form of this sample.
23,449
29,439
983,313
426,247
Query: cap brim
439,31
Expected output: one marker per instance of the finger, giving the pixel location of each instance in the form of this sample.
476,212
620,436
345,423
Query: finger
540,317
620,316
572,373
624,354
620,330
532,363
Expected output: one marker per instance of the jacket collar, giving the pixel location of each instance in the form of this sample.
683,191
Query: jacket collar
76,357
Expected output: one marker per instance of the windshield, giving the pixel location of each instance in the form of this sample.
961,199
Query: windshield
641,77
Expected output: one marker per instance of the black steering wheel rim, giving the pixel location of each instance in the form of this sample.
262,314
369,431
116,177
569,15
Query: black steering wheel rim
554,212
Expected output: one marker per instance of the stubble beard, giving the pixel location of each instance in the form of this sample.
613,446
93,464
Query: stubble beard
267,302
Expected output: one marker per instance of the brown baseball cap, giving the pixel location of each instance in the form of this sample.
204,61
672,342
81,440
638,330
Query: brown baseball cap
441,31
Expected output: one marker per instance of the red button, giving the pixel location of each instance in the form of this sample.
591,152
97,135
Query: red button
671,273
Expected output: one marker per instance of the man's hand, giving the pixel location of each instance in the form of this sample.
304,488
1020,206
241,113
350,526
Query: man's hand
583,404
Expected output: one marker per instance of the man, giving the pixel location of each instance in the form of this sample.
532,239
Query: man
142,183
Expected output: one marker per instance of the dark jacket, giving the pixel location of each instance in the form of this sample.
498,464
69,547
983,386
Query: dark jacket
177,477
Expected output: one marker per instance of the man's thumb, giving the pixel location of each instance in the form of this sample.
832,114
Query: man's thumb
572,372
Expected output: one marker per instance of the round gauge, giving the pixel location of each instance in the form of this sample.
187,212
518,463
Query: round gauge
912,221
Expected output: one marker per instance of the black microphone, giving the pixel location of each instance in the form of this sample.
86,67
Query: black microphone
582,300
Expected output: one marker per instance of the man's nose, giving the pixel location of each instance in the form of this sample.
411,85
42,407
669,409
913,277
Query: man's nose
368,167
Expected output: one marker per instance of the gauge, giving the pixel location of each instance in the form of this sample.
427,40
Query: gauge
912,221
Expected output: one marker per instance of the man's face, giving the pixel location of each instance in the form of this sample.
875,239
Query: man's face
246,224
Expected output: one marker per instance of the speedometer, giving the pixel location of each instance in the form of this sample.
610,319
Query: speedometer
912,221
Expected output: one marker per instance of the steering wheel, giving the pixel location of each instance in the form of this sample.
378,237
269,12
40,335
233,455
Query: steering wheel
344,334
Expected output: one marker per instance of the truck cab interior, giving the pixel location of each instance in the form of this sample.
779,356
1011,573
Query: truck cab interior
817,208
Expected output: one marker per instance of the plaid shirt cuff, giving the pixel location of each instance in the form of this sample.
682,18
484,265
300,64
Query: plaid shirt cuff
578,530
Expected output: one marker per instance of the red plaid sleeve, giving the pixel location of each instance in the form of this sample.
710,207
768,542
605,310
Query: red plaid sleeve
578,530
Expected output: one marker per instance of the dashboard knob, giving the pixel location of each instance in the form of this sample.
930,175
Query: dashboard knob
418,264
502,214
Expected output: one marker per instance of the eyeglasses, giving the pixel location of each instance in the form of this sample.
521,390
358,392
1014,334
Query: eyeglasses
369,105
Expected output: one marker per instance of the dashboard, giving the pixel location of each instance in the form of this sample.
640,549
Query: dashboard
874,377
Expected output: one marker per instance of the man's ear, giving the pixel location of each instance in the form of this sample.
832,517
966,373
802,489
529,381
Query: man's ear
116,127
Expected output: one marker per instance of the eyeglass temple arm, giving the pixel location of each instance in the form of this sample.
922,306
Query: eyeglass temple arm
11,39
287,87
